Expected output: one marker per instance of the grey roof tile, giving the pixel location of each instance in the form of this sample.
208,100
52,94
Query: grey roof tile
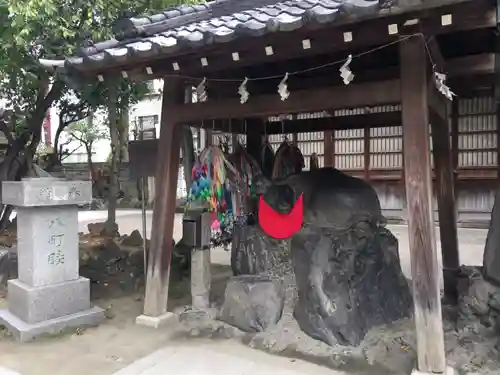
193,26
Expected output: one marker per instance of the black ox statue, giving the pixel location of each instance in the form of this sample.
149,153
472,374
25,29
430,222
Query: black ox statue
346,266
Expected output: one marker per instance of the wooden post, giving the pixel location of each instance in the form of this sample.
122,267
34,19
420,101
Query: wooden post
497,98
417,163
160,251
445,196
454,141
366,152
208,138
328,148
255,138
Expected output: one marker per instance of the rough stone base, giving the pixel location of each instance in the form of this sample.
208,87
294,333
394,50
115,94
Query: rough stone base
38,304
200,278
25,331
252,303
154,321
448,371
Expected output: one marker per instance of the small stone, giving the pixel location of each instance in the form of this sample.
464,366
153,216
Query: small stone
103,229
134,239
494,301
252,303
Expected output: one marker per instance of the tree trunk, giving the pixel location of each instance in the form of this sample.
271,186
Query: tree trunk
18,157
124,129
115,154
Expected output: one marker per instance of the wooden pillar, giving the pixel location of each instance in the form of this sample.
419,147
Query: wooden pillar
329,148
254,131
445,195
160,251
366,152
208,138
417,163
491,256
497,98
454,141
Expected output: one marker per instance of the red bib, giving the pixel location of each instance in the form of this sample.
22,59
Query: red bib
280,226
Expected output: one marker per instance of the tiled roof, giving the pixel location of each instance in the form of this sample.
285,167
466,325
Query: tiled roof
221,21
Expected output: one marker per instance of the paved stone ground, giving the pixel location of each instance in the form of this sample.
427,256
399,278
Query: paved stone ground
220,359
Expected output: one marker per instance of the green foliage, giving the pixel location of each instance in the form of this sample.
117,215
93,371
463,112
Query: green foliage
87,132
55,29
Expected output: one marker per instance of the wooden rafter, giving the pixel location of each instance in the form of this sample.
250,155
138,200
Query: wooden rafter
305,101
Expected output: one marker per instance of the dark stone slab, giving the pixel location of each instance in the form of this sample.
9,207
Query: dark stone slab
348,283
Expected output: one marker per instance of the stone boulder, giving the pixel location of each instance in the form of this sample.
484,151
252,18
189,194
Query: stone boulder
255,253
252,303
346,264
102,230
478,303
113,269
348,282
134,239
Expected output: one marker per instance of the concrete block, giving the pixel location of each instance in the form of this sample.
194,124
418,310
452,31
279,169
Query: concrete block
47,245
200,278
24,331
46,191
36,304
154,321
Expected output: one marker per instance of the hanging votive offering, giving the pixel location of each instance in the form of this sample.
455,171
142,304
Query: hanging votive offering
242,90
345,71
440,80
283,88
201,90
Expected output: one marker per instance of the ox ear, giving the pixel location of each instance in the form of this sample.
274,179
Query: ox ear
261,184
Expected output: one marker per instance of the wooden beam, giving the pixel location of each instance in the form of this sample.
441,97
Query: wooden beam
167,164
424,261
372,120
445,196
368,94
483,63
